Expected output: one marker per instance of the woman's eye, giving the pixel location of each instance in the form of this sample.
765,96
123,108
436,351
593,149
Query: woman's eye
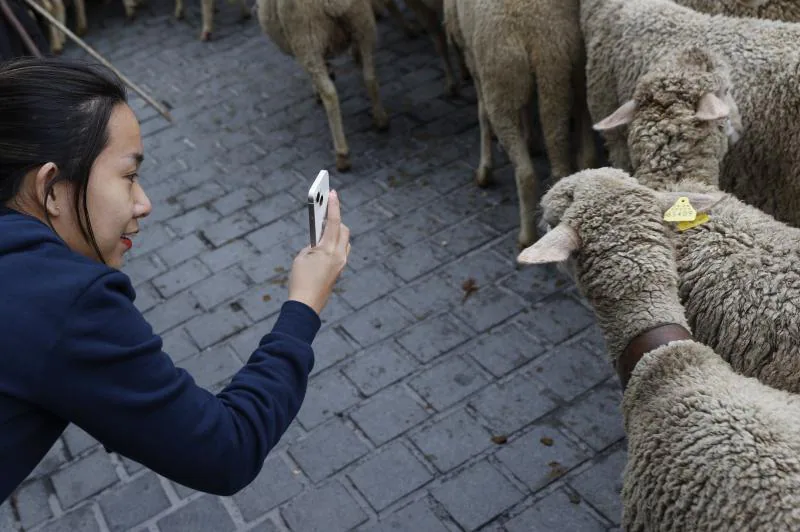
133,177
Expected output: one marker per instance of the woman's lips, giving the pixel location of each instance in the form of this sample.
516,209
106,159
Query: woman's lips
127,241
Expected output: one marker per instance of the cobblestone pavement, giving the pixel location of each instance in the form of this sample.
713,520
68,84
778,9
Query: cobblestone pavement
430,408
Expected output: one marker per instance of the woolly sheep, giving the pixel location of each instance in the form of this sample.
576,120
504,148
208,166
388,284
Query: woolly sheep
313,30
57,9
623,39
708,448
681,119
508,46
786,10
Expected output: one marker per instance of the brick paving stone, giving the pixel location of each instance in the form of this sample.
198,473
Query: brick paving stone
601,484
541,456
416,517
378,367
204,513
32,504
329,508
597,416
466,495
453,440
513,404
129,504
447,383
555,512
274,485
394,461
83,478
388,414
327,449
81,518
402,359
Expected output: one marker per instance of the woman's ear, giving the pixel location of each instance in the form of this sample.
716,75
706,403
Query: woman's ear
46,195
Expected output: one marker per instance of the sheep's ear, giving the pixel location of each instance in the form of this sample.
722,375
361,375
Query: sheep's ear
554,246
701,202
711,107
623,115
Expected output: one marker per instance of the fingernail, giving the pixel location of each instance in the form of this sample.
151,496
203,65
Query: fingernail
333,193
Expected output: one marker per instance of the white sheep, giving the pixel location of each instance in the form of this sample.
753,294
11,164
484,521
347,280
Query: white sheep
312,31
510,47
58,10
623,39
708,448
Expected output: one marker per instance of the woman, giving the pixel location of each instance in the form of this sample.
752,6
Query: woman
75,349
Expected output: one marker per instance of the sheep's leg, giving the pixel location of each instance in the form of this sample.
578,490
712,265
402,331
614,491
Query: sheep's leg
179,11
81,26
60,12
130,9
207,8
379,117
244,13
330,99
483,174
505,119
555,92
504,96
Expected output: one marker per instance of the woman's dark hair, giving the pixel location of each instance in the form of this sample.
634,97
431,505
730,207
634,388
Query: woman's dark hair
55,110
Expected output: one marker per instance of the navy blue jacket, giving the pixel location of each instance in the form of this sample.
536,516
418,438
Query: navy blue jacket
74,349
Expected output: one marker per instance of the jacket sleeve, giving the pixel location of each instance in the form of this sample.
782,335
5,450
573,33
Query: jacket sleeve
109,375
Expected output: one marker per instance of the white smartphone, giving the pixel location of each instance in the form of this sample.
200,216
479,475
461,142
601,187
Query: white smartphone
318,206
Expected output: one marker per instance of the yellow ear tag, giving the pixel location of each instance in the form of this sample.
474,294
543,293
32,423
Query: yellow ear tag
700,220
681,211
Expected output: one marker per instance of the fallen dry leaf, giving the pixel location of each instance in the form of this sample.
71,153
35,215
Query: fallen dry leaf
469,287
266,298
499,440
574,498
546,441
556,470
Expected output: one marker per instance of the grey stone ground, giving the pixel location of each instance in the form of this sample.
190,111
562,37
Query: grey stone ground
411,381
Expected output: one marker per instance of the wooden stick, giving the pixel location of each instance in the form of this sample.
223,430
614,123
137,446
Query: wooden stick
39,9
17,25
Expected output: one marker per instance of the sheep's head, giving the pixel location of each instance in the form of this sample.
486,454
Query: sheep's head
604,206
682,118
610,231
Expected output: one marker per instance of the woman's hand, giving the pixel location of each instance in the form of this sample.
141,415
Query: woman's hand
315,270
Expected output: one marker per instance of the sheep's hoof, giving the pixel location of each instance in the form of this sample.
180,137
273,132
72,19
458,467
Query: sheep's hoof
483,176
342,162
205,36
246,15
319,99
412,31
381,120
179,15
81,31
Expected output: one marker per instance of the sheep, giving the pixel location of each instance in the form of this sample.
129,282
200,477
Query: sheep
623,39
312,31
785,10
507,46
708,448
